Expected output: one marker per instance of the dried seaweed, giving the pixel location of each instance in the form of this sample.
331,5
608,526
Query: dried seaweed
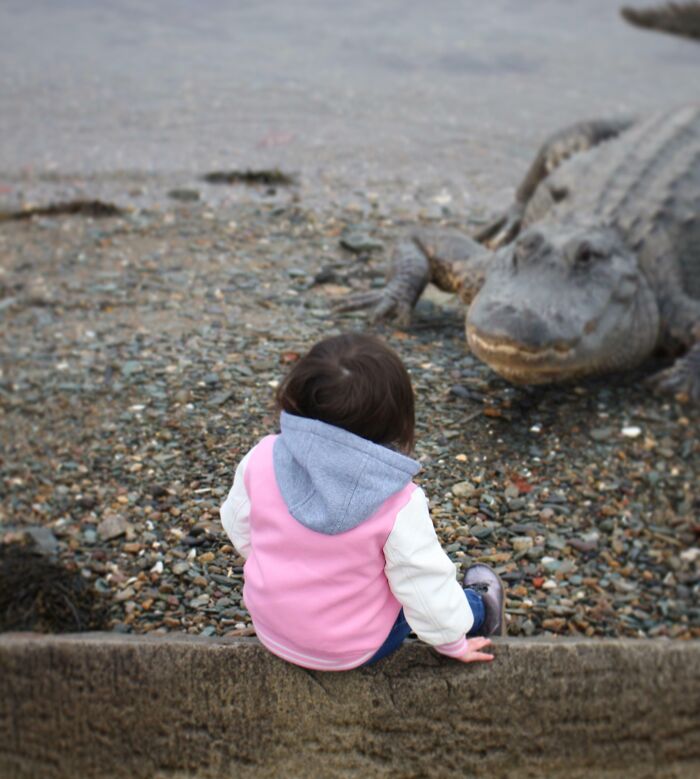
93,208
269,178
39,594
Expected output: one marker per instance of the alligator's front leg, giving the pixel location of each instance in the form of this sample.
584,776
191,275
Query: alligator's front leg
554,151
681,315
682,379
450,260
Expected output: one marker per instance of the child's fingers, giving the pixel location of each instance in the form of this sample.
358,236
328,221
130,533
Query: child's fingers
476,657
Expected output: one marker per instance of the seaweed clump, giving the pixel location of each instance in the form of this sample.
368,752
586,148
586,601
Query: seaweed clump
39,594
269,178
91,208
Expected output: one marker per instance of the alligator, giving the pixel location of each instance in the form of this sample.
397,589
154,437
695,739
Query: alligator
594,267
675,18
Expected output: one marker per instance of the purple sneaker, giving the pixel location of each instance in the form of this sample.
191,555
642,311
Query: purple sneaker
487,583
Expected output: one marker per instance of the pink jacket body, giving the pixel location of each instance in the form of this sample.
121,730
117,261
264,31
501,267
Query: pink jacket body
317,600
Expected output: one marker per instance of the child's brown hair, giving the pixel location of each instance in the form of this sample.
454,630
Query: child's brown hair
356,382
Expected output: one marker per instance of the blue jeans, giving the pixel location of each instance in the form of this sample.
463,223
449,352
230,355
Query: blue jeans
401,628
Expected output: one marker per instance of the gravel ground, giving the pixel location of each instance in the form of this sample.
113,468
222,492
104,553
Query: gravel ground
138,359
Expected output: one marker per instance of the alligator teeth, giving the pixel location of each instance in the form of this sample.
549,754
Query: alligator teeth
495,349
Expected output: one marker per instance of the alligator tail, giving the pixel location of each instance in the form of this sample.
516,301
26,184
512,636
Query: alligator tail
675,18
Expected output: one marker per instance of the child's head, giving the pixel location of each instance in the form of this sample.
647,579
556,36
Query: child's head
355,382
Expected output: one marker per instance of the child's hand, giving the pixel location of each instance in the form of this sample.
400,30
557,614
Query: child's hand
473,653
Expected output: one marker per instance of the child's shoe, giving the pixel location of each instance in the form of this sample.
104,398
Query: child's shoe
488,584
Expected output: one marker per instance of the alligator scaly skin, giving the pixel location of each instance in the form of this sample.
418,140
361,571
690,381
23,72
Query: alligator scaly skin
646,183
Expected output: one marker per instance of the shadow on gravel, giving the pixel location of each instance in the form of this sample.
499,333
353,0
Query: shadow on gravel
41,595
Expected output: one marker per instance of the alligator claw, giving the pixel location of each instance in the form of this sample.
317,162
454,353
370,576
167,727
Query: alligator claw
681,380
384,304
501,230
357,301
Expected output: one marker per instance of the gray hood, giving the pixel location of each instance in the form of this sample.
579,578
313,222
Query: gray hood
332,480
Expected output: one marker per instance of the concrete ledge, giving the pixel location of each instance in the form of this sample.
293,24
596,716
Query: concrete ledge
104,705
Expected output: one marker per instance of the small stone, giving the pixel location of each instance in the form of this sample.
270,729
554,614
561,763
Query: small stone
632,431
690,555
207,557
220,398
158,567
581,545
555,624
601,433
184,195
180,568
556,542
238,632
132,547
550,564
459,391
522,543
112,527
44,540
130,367
462,489
125,594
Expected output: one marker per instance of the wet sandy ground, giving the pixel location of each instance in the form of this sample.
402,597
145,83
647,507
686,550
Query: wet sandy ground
410,100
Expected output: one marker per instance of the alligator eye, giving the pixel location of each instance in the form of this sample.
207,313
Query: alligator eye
528,243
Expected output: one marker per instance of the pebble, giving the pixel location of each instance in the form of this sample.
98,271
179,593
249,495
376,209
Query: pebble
690,555
184,195
44,540
463,489
631,431
521,543
112,527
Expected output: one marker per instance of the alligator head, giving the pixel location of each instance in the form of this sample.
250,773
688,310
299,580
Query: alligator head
561,302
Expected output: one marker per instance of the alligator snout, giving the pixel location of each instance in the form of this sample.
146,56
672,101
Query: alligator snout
504,327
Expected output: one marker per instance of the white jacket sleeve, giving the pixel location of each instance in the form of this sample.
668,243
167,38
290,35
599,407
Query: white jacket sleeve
235,512
422,578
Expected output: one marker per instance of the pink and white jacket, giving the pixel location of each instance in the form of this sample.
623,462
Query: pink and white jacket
337,539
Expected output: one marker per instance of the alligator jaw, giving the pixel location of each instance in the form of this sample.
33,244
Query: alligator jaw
522,364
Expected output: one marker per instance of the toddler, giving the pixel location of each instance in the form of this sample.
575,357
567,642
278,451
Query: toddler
342,560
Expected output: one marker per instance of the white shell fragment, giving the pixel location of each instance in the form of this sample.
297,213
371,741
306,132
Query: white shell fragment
632,431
